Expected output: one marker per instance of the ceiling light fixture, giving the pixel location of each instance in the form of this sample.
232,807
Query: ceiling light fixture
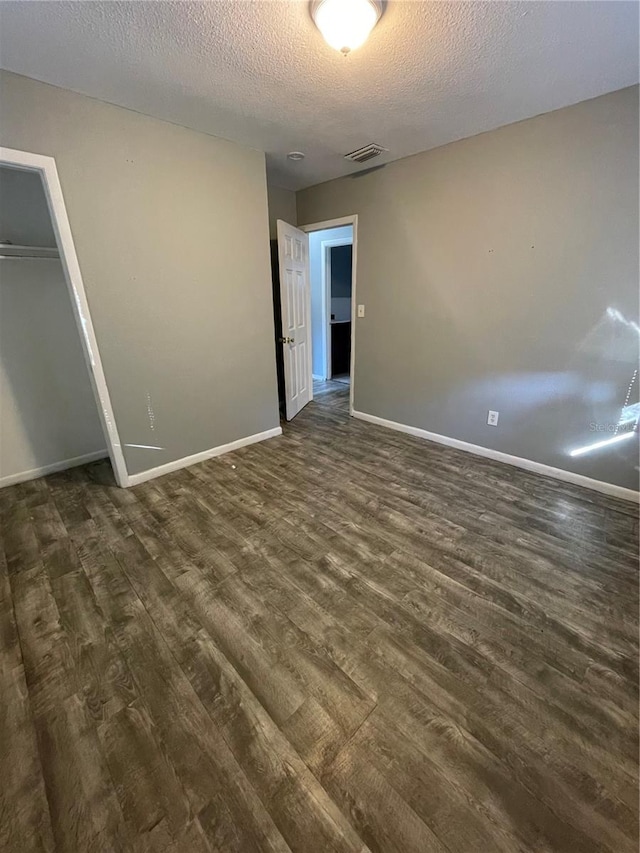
295,155
346,24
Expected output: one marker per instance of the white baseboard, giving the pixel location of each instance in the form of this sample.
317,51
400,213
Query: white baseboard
518,461
152,473
34,473
317,378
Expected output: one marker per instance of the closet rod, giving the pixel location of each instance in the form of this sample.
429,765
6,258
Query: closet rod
11,250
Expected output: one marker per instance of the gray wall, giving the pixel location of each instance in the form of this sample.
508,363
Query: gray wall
24,214
341,261
282,205
341,258
48,413
501,272
171,230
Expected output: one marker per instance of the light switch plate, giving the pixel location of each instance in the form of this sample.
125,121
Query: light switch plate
360,310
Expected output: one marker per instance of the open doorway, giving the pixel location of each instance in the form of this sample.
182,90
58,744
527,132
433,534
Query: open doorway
339,264
331,273
56,410
314,309
324,238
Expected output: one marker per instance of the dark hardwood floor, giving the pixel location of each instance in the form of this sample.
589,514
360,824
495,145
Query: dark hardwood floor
344,639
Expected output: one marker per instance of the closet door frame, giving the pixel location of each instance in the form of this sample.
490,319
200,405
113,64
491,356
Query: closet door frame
46,167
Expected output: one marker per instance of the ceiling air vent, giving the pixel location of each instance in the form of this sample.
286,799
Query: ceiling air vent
361,155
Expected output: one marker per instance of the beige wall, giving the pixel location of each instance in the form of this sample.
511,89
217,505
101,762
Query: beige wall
501,272
282,205
171,231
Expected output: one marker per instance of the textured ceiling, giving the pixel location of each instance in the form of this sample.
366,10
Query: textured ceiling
260,73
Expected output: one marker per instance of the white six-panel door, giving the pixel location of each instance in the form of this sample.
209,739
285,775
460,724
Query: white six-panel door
295,300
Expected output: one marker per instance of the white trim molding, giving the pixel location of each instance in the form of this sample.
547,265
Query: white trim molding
46,167
177,464
506,458
53,468
328,223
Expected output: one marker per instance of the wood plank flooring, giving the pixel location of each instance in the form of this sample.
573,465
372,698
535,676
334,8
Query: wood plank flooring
343,639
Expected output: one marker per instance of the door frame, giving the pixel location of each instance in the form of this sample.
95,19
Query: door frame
46,167
336,223
325,277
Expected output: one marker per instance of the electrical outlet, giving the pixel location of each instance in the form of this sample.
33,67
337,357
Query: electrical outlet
492,419
360,310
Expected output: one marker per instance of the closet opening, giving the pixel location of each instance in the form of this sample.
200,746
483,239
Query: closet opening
55,411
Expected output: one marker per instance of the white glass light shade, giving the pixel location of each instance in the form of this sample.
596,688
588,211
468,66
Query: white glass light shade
346,24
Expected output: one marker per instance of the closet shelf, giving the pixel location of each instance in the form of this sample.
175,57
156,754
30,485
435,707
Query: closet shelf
10,251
